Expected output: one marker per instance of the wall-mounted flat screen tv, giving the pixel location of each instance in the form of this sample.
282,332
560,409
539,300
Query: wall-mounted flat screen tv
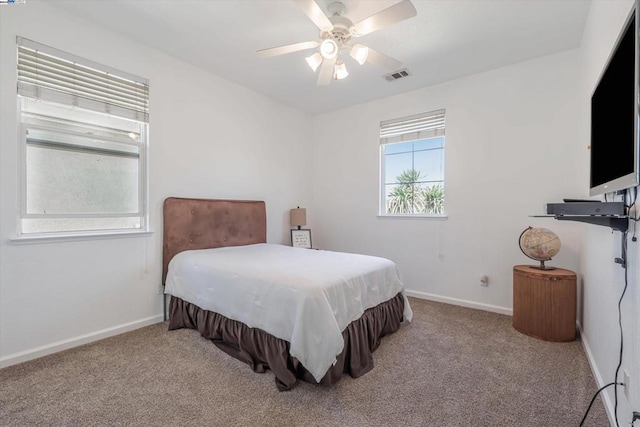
614,116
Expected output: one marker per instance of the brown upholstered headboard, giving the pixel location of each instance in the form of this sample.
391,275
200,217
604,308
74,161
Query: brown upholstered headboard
205,223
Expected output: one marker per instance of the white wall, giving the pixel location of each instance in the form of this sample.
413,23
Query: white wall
209,138
510,148
602,279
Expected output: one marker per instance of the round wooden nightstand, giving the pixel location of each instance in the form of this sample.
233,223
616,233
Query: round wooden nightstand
544,303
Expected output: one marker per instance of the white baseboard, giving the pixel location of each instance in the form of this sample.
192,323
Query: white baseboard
44,350
608,404
460,302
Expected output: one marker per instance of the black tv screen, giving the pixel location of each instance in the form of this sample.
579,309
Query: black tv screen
614,118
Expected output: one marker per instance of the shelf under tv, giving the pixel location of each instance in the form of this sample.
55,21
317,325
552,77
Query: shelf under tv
619,223
616,222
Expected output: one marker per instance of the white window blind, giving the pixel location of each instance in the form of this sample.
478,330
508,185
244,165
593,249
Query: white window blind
412,128
50,75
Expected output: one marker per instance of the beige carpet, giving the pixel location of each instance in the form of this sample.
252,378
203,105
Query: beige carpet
451,367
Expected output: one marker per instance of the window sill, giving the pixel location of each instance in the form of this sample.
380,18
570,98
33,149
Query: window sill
56,238
428,217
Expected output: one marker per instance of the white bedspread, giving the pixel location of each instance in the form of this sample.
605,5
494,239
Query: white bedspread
306,297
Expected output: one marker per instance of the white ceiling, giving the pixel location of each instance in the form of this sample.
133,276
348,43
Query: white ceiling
447,39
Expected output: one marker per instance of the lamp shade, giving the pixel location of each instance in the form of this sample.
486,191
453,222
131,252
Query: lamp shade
329,49
314,61
340,71
298,217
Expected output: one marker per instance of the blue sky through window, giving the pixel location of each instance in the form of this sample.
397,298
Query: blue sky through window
425,156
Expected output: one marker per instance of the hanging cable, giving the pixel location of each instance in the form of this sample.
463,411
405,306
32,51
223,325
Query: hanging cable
626,283
593,399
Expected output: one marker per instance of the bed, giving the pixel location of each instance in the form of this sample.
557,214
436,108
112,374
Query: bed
301,313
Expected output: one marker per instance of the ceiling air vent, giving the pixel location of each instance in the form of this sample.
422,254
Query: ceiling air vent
397,75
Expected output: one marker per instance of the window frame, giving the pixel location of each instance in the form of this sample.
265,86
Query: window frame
32,118
412,135
143,193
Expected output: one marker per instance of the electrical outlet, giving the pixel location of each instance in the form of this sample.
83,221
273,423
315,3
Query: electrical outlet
627,386
484,280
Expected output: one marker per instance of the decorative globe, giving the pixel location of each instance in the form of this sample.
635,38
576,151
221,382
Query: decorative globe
540,244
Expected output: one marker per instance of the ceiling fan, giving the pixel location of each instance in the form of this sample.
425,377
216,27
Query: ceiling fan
335,37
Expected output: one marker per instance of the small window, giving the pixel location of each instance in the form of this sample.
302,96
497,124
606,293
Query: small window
412,165
84,140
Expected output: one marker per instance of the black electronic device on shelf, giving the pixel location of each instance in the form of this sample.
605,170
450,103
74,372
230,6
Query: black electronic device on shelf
586,208
607,214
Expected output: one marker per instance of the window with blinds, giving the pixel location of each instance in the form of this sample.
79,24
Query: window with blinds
412,165
84,130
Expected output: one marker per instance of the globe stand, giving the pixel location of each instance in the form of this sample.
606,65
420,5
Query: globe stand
542,266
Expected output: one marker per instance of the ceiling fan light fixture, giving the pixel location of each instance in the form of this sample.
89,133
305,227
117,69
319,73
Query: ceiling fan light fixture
329,49
340,71
336,33
359,53
314,61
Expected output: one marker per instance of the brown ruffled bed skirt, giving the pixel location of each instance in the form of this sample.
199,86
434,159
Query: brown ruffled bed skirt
263,351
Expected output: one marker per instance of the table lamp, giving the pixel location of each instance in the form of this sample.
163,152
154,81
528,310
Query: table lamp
298,217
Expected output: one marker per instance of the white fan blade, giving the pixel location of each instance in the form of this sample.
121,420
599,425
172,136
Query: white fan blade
281,50
382,60
313,11
389,16
326,72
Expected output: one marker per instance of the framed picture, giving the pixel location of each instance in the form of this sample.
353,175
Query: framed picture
301,238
